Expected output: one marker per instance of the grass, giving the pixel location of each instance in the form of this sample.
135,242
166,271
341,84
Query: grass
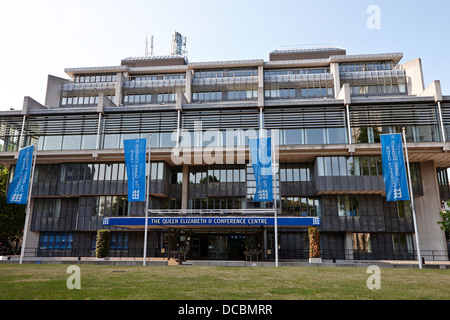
48,282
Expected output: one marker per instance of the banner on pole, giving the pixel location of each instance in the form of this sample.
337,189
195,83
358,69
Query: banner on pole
18,188
261,155
135,155
394,172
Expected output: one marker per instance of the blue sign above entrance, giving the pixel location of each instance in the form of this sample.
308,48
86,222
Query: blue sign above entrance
211,221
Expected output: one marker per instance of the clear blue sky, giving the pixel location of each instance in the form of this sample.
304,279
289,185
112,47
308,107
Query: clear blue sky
44,37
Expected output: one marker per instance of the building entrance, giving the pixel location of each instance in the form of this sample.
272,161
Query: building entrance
221,246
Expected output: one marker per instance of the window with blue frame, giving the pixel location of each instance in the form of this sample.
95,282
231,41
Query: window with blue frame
55,241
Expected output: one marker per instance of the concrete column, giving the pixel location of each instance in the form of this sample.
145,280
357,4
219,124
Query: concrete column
334,69
53,95
119,85
261,86
185,187
428,206
414,76
189,76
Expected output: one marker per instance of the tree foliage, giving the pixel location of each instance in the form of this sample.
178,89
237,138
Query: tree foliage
314,242
103,243
12,216
445,223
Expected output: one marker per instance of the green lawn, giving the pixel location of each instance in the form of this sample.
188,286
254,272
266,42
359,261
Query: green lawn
48,282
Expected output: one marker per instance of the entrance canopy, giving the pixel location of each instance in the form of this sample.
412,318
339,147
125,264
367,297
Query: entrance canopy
195,221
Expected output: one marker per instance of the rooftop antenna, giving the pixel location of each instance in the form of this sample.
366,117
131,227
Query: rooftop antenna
146,47
178,45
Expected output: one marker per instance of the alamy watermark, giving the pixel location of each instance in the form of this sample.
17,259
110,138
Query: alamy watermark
374,20
374,280
214,146
74,280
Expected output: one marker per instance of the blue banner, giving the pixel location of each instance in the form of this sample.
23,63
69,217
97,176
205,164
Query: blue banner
18,188
261,155
394,172
187,221
135,155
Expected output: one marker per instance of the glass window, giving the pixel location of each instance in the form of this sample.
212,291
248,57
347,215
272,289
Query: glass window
52,143
337,135
404,209
314,135
71,142
293,136
348,206
89,141
111,141
361,242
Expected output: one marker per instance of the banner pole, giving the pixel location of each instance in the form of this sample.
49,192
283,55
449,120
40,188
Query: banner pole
147,191
274,179
27,214
413,207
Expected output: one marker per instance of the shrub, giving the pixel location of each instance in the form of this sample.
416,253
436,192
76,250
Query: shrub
314,242
103,242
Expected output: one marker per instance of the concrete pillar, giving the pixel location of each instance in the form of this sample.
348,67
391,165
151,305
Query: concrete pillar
53,95
334,70
261,86
189,76
119,85
432,239
185,187
414,76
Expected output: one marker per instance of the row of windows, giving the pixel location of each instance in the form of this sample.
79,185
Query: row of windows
361,241
300,206
216,203
290,172
291,93
55,241
83,100
377,89
111,206
214,73
358,166
108,141
226,73
119,206
224,95
152,77
47,208
349,166
348,206
401,242
147,98
94,78
198,175
313,136
365,66
64,241
278,72
101,172
425,133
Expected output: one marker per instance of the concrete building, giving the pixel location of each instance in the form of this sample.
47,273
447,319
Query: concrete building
328,109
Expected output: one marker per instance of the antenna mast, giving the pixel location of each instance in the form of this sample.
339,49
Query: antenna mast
178,45
146,47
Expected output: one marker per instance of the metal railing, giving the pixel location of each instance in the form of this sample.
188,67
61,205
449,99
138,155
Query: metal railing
176,212
263,255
